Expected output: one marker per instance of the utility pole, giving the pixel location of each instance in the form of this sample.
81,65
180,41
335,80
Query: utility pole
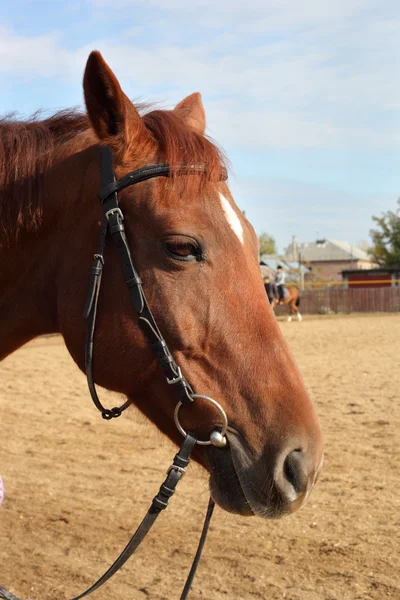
294,248
301,273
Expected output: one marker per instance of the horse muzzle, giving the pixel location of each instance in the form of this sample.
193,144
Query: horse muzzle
271,485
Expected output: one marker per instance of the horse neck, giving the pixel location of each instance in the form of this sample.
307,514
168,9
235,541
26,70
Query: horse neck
28,268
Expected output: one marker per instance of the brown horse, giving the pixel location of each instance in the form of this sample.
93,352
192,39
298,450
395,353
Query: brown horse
197,257
292,300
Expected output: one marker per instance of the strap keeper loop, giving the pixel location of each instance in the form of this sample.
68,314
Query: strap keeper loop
133,281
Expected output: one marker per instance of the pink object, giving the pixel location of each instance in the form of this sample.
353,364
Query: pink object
2,491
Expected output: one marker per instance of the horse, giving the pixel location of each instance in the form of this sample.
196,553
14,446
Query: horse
196,258
292,300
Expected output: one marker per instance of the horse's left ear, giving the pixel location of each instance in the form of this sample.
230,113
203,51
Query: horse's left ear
192,110
114,118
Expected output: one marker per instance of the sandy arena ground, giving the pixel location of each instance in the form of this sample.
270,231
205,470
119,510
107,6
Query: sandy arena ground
78,486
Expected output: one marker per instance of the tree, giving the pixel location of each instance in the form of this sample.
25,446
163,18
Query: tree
363,245
386,238
267,244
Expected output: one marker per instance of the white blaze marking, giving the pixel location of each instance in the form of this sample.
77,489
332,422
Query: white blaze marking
232,217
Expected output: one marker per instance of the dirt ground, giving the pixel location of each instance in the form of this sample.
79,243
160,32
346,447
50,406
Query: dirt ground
77,486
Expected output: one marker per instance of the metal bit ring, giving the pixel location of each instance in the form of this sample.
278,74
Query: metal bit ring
220,440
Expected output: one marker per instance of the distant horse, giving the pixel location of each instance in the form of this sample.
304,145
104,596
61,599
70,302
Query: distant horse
292,300
196,257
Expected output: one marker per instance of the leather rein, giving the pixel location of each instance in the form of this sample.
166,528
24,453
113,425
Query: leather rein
112,224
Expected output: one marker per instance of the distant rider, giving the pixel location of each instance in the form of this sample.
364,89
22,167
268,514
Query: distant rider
280,283
269,287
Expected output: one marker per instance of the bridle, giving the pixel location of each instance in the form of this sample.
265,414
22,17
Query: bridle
112,224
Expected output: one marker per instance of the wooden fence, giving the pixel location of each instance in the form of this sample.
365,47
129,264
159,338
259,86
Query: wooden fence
334,300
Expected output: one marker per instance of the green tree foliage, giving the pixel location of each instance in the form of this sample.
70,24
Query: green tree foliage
386,238
267,244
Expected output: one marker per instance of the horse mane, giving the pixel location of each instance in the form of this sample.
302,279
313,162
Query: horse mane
179,144
27,150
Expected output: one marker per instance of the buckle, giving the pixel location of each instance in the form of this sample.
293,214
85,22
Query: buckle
175,379
114,211
100,258
180,470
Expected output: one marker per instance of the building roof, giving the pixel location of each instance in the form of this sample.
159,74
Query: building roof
328,250
289,266
367,272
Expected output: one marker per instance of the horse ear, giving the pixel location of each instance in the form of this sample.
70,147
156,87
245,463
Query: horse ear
113,116
192,110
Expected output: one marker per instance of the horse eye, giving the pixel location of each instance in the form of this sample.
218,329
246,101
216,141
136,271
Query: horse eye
183,250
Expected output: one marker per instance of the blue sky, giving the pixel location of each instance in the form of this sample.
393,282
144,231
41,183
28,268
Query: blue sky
304,95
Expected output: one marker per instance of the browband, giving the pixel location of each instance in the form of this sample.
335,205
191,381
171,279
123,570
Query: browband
159,170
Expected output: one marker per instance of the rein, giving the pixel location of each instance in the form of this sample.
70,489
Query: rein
112,224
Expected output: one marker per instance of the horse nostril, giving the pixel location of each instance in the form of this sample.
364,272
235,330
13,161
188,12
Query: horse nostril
294,472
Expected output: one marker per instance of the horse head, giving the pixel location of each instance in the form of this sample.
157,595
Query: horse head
197,256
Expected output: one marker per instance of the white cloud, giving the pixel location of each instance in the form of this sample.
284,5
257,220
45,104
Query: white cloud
271,13
274,74
28,57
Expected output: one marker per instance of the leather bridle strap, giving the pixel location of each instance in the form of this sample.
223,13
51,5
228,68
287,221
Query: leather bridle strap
196,560
4,595
160,503
160,170
113,224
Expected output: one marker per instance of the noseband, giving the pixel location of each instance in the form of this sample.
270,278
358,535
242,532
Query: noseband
112,224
